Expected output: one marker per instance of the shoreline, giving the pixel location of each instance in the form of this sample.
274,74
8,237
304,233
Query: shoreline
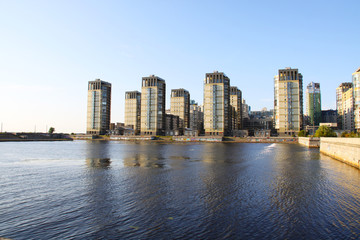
184,139
35,140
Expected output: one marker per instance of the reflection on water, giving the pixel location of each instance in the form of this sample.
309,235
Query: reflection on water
146,190
98,162
141,155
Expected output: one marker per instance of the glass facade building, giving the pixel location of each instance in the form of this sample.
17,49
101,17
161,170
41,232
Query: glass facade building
313,104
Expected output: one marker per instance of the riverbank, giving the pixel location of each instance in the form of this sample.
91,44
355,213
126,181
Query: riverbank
31,137
188,139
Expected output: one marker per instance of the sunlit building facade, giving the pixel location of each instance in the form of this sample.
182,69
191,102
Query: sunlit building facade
345,106
98,107
153,118
180,106
356,95
236,103
216,104
133,110
288,101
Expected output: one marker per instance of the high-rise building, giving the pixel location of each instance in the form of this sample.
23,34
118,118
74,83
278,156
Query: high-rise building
98,107
217,104
245,110
344,106
153,116
180,106
236,103
288,101
196,117
133,110
356,93
313,103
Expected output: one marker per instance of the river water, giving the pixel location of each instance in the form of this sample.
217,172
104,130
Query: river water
146,190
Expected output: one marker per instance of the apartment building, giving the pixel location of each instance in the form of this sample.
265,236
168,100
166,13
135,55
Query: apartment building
216,104
236,103
344,106
288,101
356,95
180,106
133,110
196,117
153,118
313,103
98,107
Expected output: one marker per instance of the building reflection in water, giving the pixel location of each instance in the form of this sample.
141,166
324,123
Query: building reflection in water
98,154
98,162
145,155
102,190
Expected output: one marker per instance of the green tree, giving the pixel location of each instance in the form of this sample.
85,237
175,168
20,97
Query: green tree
302,133
325,131
51,130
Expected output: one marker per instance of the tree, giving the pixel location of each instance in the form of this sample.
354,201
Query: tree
51,130
302,133
325,131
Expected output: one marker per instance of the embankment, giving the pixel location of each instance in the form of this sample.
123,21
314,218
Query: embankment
310,142
344,149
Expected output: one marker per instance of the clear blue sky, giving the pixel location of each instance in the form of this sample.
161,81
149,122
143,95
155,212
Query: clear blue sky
49,50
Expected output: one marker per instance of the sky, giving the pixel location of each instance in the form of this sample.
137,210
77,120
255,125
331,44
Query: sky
49,50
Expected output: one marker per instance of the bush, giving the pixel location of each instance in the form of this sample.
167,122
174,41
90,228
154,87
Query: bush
351,134
302,133
325,131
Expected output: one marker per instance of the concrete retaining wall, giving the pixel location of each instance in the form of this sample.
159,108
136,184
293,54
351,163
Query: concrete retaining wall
263,140
197,139
310,142
344,149
132,138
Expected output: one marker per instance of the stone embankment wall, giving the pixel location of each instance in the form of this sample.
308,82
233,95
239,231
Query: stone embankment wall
310,142
263,140
197,139
344,149
132,138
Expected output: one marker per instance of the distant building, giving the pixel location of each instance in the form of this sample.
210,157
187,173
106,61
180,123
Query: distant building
133,110
329,116
313,103
216,104
356,94
172,125
180,106
153,106
245,110
196,117
345,106
260,121
236,103
288,101
98,107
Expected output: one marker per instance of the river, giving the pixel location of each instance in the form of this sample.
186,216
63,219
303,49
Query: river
149,190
